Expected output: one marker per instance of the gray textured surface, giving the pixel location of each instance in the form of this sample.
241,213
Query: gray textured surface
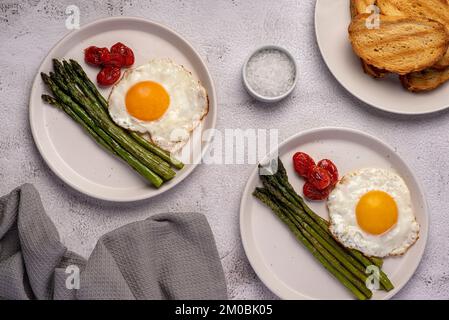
224,32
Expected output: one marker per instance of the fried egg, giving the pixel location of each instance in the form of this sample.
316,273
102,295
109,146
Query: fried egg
161,100
371,210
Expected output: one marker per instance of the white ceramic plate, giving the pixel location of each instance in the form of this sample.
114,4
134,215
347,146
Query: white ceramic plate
332,19
71,153
279,260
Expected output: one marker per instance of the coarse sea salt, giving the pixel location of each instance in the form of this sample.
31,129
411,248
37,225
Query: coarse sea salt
270,73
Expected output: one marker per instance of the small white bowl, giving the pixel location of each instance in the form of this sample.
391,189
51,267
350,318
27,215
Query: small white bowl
257,95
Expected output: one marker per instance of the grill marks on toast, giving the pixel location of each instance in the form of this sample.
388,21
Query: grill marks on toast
389,8
401,44
358,7
437,10
429,9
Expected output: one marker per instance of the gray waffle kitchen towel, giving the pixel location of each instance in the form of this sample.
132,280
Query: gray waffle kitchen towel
168,256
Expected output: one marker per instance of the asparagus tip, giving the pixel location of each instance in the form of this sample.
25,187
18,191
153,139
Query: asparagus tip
57,65
45,97
76,66
51,100
45,77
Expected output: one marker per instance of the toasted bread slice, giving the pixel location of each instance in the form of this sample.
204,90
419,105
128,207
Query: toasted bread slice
437,10
432,9
373,71
389,8
358,7
425,80
400,44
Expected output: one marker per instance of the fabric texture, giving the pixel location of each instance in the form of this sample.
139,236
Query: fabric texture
168,256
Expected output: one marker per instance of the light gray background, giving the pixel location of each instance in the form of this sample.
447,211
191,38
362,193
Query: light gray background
224,32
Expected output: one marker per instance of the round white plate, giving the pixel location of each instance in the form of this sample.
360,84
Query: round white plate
280,261
70,152
332,19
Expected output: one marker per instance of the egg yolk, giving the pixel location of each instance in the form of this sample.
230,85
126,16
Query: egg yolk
147,101
376,212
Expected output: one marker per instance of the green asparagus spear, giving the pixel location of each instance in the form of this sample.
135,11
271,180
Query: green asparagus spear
359,283
361,262
158,151
150,160
314,251
81,84
93,88
58,81
76,72
52,101
281,176
82,118
345,259
302,214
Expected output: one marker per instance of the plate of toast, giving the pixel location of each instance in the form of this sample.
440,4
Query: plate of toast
390,54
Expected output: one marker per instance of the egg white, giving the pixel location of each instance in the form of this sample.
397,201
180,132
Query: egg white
342,204
188,103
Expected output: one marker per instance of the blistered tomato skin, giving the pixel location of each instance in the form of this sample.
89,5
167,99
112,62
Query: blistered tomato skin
331,168
126,53
114,60
302,163
108,76
96,56
312,193
110,61
319,178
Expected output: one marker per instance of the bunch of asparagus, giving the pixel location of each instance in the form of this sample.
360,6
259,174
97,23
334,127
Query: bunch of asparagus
347,265
75,94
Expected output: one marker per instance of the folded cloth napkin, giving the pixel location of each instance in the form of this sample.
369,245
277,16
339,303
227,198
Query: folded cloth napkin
168,256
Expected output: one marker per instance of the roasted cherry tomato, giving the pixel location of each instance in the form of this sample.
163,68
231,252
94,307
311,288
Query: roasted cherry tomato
125,52
312,193
96,56
330,167
108,75
302,163
114,60
319,178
